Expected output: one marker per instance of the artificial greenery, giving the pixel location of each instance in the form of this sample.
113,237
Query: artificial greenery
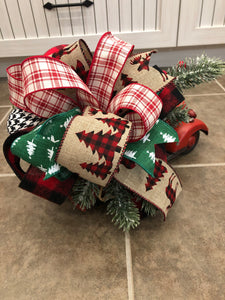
84,193
148,208
177,115
122,204
193,71
121,207
125,213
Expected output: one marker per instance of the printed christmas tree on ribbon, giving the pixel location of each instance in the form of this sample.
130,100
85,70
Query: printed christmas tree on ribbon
39,146
142,152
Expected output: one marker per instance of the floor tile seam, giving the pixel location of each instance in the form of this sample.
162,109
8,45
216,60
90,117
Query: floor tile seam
5,116
220,85
130,280
183,166
5,106
204,95
2,175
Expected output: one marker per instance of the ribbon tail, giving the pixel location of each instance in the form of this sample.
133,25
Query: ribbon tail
161,191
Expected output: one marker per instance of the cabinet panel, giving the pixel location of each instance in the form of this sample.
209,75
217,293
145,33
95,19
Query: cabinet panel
201,22
31,29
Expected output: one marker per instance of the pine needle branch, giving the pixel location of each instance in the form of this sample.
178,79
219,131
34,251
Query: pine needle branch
148,208
121,207
125,213
177,115
194,71
84,193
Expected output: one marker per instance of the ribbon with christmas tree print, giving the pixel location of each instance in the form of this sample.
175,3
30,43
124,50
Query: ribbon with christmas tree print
142,152
39,146
93,145
35,86
160,190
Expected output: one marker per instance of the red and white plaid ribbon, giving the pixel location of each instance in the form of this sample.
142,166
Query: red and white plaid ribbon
33,87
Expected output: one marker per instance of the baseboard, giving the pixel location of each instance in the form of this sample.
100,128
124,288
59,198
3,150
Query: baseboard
165,57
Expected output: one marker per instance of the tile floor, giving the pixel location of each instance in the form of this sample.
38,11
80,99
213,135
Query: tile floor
52,252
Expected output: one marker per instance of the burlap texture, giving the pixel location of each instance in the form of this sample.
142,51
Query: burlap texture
79,57
133,71
81,154
136,180
139,72
74,52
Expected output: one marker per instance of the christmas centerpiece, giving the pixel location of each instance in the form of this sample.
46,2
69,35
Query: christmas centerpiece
96,128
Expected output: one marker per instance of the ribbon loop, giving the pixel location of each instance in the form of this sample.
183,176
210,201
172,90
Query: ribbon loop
144,104
40,85
108,61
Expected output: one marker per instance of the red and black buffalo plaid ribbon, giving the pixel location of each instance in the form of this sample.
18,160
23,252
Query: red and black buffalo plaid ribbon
34,86
51,189
32,180
170,97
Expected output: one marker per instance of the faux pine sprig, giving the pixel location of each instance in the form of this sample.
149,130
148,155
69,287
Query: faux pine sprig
123,210
177,115
193,71
84,194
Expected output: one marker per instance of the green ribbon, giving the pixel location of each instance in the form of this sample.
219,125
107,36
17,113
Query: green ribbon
39,146
142,152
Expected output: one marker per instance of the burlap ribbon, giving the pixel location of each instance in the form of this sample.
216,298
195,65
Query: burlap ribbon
93,145
34,86
40,85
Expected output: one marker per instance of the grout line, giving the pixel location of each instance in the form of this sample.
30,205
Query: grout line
5,106
199,165
130,281
199,95
219,84
5,116
7,175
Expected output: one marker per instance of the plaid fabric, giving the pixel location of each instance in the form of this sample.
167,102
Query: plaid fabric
160,152
159,169
37,92
108,61
142,62
151,189
51,189
144,104
15,84
80,70
158,172
104,144
56,51
117,124
99,170
90,148
129,164
171,191
170,97
12,160
35,83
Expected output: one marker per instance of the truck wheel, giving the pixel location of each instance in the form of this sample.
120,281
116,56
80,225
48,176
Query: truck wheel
192,142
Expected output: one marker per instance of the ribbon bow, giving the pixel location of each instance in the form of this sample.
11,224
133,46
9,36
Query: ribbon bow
33,87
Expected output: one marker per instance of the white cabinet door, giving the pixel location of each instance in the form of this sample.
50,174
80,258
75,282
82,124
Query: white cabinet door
201,22
26,28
